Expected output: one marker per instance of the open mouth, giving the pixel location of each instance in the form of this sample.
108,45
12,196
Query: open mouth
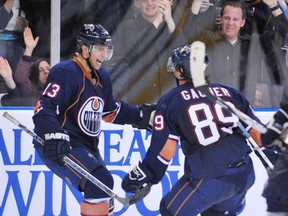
99,61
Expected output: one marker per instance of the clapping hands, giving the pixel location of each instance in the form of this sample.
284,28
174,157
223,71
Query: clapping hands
165,8
165,13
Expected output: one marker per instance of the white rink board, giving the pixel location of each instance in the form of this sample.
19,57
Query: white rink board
29,188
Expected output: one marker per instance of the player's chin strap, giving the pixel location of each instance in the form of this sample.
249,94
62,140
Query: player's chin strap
93,70
87,59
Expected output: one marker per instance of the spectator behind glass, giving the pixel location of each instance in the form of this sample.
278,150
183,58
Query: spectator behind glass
38,75
31,74
223,48
257,18
147,41
9,98
12,22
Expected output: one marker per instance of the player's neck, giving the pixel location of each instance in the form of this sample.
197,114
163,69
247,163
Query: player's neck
182,82
83,61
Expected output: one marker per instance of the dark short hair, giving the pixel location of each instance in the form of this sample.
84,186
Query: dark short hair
237,4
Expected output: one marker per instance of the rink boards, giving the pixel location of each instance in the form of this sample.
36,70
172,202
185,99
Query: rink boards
29,188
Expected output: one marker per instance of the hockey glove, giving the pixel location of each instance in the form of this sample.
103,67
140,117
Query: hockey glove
137,178
276,126
56,145
147,116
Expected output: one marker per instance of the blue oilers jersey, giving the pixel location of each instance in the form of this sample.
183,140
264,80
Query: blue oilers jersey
202,126
76,101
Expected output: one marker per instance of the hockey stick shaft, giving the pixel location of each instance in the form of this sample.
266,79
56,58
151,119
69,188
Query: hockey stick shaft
255,146
139,195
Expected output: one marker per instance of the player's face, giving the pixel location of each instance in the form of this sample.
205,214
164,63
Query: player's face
99,54
231,21
148,8
44,69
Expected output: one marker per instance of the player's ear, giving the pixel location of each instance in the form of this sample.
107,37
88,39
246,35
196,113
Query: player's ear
85,51
180,70
243,22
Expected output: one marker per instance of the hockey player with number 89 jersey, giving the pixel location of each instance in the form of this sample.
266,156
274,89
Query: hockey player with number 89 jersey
218,170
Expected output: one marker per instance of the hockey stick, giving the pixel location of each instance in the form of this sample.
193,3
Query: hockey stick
197,56
139,195
256,147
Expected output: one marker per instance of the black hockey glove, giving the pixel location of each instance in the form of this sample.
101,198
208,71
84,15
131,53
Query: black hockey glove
275,127
56,145
137,178
147,116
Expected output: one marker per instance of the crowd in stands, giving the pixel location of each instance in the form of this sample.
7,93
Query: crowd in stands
244,47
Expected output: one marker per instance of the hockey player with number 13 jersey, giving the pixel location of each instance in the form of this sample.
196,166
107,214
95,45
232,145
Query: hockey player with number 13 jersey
77,97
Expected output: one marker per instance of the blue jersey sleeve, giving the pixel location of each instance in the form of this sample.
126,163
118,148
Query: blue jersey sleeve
164,129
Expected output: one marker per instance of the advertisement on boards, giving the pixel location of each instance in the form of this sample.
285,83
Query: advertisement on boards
29,188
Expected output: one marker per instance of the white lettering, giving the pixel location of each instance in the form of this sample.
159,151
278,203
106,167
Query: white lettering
57,136
185,95
194,94
225,92
219,91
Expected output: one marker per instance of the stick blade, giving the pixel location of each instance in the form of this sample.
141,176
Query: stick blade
140,194
197,61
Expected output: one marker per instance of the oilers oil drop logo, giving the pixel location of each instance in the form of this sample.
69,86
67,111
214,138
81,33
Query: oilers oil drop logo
90,115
